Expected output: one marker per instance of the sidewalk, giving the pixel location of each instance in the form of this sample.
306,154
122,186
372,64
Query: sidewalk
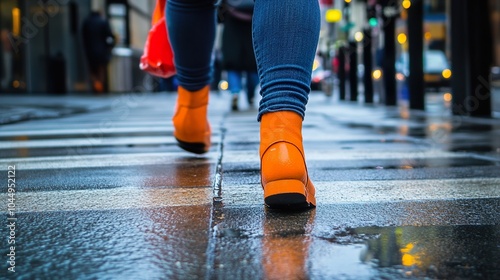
18,108
107,194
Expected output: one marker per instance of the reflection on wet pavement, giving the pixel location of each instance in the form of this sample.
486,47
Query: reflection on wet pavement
401,195
160,243
299,246
285,249
183,172
437,252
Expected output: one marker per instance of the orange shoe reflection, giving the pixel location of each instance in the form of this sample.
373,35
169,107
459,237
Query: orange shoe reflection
187,172
285,246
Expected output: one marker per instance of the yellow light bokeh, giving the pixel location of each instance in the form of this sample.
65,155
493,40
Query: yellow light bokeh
409,258
406,4
446,73
407,249
358,36
377,74
333,15
348,1
427,35
224,85
447,97
16,21
402,38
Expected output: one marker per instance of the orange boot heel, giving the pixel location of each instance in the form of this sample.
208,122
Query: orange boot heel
191,127
283,169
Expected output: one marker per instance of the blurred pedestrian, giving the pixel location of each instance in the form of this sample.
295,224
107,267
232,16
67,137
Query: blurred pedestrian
217,69
98,40
238,57
285,38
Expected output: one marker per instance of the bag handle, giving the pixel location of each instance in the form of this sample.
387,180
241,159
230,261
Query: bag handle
159,11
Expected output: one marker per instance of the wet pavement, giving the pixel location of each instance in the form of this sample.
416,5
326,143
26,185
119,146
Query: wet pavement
13,109
103,192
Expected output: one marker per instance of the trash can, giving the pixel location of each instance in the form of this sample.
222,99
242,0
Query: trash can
124,74
120,70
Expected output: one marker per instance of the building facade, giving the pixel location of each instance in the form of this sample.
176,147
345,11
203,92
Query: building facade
41,46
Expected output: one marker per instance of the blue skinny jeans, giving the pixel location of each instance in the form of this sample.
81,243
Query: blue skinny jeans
285,37
235,78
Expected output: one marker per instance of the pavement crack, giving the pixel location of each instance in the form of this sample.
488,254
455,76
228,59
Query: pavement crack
216,214
217,186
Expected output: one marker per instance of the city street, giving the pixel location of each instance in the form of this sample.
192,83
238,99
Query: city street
99,189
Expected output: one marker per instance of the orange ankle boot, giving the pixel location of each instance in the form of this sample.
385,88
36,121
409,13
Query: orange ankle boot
283,169
191,127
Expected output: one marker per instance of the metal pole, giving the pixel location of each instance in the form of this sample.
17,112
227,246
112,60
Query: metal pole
415,52
353,71
368,63
471,58
341,72
459,61
389,59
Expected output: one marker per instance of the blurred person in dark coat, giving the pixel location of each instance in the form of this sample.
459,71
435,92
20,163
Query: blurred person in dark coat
98,40
238,57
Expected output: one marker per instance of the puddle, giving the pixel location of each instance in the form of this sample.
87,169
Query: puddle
440,252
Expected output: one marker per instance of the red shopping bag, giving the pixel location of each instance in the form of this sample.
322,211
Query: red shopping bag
158,57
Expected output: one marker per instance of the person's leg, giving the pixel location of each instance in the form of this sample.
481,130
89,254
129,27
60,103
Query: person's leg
252,82
234,81
285,39
191,29
95,69
103,77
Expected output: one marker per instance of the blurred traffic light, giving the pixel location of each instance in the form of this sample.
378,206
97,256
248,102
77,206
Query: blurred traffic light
372,15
